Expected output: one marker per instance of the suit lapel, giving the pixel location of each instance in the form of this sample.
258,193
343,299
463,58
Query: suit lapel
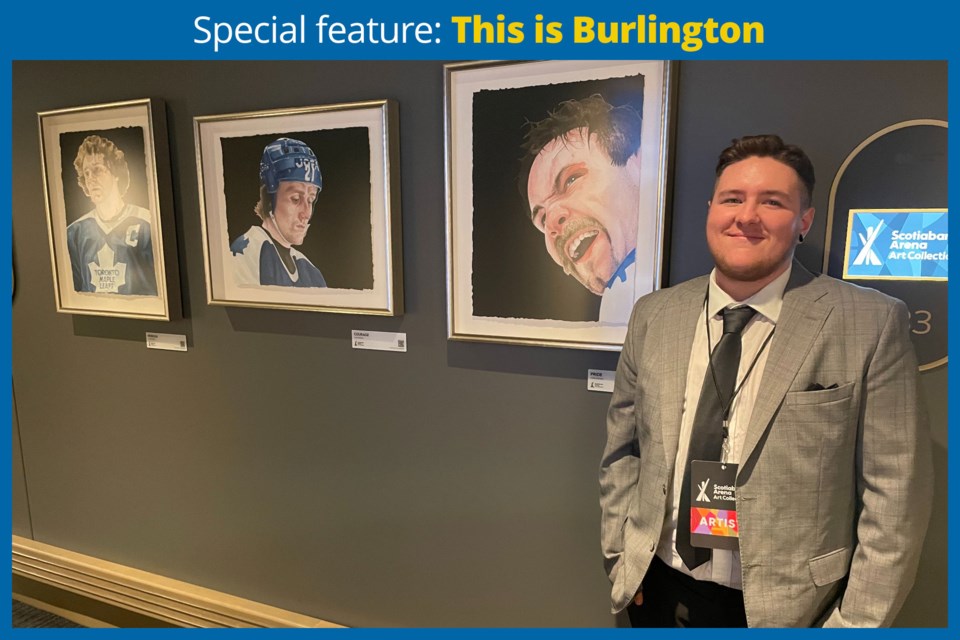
679,323
804,311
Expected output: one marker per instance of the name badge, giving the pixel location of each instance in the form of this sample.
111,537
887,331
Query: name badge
713,505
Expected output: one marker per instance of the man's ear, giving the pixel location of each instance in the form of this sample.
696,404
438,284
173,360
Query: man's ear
806,221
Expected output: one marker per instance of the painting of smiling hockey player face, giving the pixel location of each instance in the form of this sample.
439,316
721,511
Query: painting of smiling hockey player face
556,175
556,178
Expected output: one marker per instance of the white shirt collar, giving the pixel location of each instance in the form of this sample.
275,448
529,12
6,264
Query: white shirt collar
768,301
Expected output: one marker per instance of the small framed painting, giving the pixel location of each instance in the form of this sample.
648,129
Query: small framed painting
106,171
300,208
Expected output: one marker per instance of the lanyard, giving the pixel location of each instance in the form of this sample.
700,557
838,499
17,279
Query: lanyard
726,407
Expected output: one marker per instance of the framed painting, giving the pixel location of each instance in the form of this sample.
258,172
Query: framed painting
301,208
106,174
556,197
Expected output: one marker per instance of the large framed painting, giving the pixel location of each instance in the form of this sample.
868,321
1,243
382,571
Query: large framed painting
300,208
106,174
556,196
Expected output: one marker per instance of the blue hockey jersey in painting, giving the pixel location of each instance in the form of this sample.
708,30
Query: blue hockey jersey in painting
256,262
114,257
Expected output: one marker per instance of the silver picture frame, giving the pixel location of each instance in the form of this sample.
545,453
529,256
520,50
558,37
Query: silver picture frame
353,241
507,279
107,190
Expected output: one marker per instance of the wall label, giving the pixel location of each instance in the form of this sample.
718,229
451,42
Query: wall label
166,341
379,340
600,380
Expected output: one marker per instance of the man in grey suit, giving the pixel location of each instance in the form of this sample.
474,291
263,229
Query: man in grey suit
797,397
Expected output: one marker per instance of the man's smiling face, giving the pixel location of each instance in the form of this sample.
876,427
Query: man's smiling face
585,206
756,215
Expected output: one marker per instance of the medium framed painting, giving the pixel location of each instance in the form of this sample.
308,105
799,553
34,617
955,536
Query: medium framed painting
556,198
301,208
106,174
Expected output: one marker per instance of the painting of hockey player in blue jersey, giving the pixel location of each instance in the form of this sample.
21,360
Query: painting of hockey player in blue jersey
111,246
290,181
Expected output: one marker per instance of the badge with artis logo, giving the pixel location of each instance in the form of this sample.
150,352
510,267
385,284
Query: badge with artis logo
713,509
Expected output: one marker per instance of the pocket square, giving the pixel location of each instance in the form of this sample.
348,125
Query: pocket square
816,386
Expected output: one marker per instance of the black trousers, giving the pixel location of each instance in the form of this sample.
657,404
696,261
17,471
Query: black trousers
674,599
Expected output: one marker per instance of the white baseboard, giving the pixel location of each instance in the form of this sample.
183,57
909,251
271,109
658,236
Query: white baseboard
161,598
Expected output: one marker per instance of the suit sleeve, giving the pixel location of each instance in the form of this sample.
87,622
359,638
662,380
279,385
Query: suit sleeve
894,482
620,465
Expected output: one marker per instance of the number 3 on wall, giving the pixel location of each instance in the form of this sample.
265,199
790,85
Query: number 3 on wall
922,319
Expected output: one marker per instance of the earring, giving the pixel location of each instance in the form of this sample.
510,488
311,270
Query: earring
801,239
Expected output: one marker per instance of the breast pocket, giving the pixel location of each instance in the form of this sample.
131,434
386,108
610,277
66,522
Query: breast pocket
818,416
821,396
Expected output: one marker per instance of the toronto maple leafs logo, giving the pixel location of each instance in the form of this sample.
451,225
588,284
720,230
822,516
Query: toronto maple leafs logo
239,245
109,275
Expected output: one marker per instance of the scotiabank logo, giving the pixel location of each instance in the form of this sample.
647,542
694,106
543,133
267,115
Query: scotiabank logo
702,496
896,244
866,254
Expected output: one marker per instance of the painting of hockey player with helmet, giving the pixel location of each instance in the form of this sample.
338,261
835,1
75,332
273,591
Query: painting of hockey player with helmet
267,254
298,209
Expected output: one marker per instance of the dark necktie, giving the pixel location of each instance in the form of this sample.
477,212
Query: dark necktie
706,437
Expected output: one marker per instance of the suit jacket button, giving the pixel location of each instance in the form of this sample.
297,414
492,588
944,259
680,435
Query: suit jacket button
664,489
653,548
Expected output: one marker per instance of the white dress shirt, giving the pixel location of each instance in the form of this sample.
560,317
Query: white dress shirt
724,567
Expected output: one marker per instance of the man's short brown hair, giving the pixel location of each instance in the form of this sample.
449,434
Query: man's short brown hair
771,146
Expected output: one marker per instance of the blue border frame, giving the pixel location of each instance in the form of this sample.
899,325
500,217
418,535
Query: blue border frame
813,30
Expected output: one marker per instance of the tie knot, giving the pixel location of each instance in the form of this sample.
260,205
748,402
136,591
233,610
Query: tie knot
734,320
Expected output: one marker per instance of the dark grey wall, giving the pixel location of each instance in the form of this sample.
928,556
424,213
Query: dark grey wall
451,485
19,502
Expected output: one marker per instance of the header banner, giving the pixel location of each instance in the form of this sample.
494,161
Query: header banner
483,30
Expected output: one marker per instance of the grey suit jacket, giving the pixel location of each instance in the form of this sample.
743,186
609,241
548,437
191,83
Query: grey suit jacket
834,487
